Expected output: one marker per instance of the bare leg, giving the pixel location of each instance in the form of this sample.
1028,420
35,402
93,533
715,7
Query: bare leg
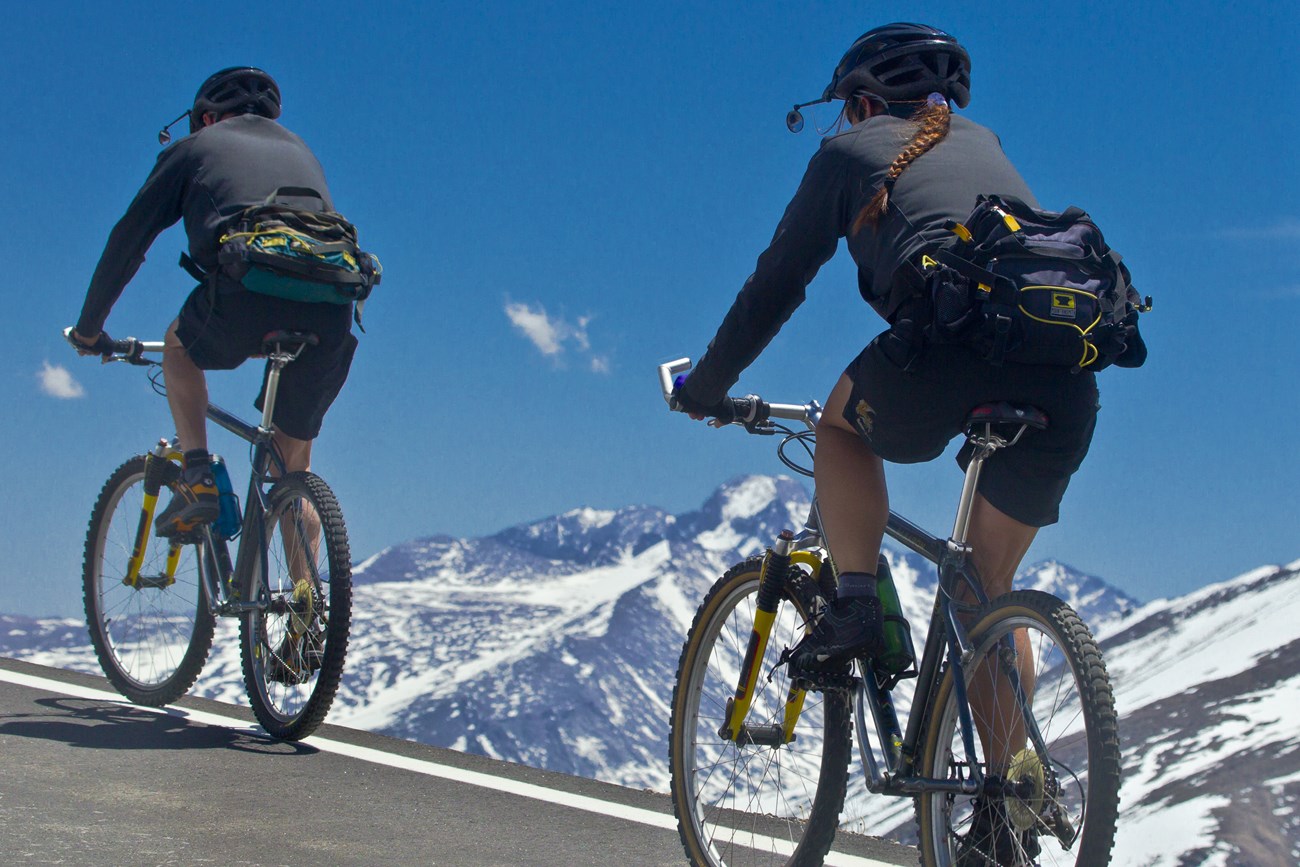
999,542
296,452
187,393
851,490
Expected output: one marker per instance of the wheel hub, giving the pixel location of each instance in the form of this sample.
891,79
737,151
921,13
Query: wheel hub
1026,799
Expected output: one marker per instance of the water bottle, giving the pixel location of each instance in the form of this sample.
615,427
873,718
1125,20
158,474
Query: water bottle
899,653
227,524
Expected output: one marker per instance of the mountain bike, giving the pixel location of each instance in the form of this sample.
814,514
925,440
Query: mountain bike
151,602
759,757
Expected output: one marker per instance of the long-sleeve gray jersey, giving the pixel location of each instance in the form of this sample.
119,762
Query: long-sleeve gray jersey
841,178
207,179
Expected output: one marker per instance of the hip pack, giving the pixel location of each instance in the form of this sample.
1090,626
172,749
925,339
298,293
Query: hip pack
298,254
1027,286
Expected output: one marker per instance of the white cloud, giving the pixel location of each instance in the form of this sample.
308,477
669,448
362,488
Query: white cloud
1284,229
579,333
545,333
554,335
56,381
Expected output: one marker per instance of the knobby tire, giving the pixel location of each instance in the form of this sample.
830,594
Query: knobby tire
292,649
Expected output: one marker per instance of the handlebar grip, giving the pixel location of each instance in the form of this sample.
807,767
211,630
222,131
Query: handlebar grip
128,347
750,409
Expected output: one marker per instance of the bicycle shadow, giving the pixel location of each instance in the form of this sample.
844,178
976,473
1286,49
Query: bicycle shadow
106,725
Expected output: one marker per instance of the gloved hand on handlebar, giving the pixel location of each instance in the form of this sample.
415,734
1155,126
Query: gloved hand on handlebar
100,344
724,411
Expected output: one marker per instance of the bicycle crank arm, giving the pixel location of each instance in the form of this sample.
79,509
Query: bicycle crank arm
234,608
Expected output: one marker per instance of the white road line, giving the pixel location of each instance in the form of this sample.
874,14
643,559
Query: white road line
428,768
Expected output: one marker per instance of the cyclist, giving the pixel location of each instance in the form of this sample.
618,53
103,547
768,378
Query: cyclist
235,156
887,183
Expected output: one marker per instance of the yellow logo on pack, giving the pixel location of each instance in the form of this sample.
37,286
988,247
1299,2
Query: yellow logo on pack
1064,305
928,262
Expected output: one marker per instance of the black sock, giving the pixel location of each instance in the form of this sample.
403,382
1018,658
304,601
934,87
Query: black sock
197,458
856,584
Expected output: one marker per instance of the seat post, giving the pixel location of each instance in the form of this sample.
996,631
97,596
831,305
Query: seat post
275,362
980,432
961,524
277,356
985,445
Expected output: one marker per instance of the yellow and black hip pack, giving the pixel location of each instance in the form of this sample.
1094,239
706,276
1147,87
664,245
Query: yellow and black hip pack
298,254
1022,285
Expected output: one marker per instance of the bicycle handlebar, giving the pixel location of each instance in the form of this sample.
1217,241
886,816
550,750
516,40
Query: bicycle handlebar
128,349
751,411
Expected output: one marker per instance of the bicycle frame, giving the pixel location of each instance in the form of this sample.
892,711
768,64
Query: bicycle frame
228,588
946,638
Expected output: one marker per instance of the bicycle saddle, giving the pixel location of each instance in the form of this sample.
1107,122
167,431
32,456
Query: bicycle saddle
288,339
1005,412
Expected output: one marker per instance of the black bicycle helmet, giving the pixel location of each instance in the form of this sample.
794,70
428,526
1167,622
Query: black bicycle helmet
903,62
241,89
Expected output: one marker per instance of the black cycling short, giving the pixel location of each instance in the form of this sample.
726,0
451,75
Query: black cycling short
223,335
909,416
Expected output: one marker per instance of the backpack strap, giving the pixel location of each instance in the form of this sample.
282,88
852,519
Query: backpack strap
192,268
295,193
991,287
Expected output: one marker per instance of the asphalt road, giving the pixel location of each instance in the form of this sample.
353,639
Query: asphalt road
89,779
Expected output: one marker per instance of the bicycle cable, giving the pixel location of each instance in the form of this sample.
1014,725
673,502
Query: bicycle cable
155,376
803,438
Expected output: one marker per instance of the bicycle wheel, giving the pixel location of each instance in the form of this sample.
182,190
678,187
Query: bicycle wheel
152,638
743,804
293,648
1066,786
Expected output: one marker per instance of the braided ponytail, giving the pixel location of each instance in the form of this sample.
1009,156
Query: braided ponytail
933,117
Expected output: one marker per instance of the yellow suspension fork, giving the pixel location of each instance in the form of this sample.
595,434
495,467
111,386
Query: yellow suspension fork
776,567
794,699
159,469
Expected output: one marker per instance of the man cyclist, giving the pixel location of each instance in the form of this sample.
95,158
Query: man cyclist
888,183
236,156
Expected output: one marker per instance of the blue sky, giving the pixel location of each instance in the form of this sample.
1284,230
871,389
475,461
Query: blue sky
566,194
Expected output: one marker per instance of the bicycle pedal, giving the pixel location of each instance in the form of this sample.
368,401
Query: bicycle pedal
191,536
824,681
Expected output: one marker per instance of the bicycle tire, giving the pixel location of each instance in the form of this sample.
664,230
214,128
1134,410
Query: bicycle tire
293,646
1073,707
152,639
738,805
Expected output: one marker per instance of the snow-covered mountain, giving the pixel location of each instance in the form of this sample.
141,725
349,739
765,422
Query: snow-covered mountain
555,644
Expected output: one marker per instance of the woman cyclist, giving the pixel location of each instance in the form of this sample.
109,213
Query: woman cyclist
904,166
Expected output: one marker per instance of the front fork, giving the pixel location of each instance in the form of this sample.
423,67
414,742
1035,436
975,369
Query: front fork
160,469
771,584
